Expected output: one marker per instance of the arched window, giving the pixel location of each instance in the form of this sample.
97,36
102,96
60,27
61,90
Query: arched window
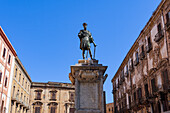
52,107
37,107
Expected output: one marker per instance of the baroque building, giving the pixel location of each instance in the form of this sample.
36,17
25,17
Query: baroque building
7,55
142,82
20,92
52,97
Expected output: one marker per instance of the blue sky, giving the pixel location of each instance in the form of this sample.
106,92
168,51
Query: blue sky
44,33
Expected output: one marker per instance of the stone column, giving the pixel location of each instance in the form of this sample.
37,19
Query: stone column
88,78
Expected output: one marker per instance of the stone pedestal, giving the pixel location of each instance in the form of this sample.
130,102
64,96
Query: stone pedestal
88,78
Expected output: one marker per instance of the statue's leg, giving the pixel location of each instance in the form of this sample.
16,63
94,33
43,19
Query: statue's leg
90,53
83,53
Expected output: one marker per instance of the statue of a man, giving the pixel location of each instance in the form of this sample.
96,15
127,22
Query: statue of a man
85,40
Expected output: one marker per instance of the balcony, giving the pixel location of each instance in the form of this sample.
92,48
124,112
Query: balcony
148,48
142,55
136,62
158,36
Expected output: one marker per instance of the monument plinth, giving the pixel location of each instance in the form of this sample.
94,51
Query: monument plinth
88,78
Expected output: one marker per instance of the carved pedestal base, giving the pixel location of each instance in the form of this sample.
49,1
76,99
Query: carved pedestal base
88,78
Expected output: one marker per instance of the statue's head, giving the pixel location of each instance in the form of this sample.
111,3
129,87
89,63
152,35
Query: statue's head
85,25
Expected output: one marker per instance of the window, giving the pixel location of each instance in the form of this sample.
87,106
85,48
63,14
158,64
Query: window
9,59
24,98
13,91
72,110
19,77
165,76
0,76
4,52
159,27
37,109
139,93
23,82
149,45
142,54
2,106
17,93
127,70
153,85
149,40
26,85
15,72
134,94
53,95
129,101
142,48
137,56
53,109
122,75
38,95
6,80
146,91
167,20
137,59
168,17
71,96
21,95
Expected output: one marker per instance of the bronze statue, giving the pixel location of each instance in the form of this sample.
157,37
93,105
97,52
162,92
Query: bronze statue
85,40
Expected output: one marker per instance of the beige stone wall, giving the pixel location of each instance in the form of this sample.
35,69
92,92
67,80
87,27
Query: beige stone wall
20,91
62,101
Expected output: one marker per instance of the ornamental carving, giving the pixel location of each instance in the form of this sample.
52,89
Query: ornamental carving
88,75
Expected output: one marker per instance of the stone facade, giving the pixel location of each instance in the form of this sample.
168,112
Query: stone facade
88,77
7,55
142,82
52,97
110,108
20,92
